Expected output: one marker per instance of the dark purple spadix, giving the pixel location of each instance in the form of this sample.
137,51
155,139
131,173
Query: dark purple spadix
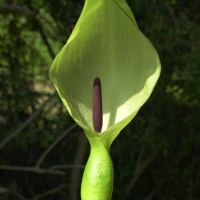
97,106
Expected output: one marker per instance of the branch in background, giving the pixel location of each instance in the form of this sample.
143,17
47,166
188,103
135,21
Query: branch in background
27,122
77,172
57,189
18,195
67,166
140,168
41,31
45,39
3,190
5,8
51,170
153,192
11,192
32,169
73,126
15,9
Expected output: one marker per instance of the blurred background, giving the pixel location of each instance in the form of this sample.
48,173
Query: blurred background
43,152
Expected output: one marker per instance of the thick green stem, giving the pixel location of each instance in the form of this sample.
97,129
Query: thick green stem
97,182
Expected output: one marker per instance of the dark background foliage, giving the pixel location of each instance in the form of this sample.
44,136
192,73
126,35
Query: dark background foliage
155,157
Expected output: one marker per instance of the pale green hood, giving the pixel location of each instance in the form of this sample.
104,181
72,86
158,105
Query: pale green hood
106,43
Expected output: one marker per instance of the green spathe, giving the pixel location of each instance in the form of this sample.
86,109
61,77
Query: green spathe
106,43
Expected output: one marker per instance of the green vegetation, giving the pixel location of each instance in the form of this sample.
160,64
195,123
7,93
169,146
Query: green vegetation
155,157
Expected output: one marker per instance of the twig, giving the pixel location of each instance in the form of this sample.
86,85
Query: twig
3,190
27,122
76,173
67,166
50,192
19,196
153,192
45,39
140,168
51,170
15,9
12,192
32,169
73,126
139,160
41,31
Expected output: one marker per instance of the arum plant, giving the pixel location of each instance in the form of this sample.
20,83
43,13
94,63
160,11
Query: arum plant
104,74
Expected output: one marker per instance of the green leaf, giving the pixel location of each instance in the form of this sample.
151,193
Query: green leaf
106,43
